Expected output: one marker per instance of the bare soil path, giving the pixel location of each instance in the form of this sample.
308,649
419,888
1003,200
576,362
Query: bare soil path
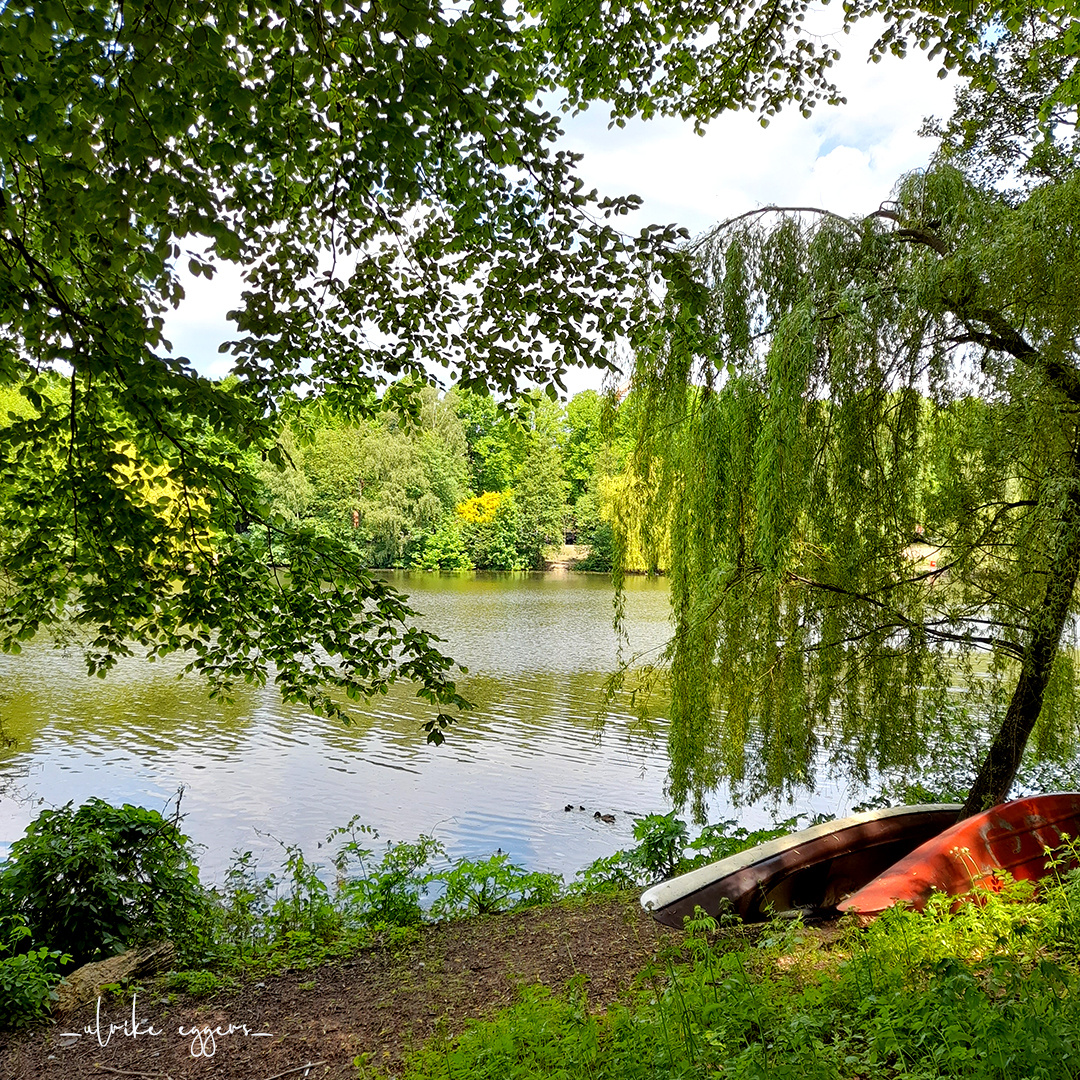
378,1004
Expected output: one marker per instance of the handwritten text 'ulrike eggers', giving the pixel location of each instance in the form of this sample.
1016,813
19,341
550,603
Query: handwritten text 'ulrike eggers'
203,1038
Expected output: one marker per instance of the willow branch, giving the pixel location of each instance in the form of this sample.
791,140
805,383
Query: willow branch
999,333
761,210
898,620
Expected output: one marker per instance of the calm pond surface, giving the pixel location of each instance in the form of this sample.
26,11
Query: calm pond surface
538,649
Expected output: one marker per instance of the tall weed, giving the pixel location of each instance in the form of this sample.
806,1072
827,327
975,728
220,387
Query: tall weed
664,849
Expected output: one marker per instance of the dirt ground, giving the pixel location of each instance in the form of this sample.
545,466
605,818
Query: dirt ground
376,1005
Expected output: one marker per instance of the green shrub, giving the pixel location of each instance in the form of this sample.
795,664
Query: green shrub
27,977
664,849
608,874
601,542
92,881
485,886
445,550
388,893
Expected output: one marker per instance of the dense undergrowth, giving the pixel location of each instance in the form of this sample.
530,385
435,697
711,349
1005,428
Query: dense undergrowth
988,988
85,883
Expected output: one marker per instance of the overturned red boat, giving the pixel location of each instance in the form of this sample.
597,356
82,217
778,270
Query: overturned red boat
1013,836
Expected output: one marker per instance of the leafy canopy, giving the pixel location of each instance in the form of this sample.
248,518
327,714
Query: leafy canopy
698,58
866,432
386,180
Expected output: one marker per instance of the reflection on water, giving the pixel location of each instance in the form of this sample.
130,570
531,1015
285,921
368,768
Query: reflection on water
538,648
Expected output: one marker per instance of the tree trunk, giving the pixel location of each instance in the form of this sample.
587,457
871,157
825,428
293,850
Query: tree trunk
1048,622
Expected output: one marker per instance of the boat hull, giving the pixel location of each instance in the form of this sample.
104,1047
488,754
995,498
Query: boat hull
1012,837
812,869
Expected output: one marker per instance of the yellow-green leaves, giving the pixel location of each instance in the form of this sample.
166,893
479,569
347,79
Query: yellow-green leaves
871,498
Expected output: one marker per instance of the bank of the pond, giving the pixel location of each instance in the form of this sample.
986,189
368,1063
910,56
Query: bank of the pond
376,1005
594,989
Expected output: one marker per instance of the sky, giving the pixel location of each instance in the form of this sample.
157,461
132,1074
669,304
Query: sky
845,158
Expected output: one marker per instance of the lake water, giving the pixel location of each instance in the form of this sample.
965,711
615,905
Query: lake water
538,648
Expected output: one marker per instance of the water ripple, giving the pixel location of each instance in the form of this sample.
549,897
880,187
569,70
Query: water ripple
258,774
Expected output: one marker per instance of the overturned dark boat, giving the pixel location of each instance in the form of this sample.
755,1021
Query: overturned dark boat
811,870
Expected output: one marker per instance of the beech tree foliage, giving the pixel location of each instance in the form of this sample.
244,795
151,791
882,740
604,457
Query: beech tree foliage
864,435
699,58
385,178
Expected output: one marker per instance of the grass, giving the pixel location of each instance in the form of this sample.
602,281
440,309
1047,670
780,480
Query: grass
982,990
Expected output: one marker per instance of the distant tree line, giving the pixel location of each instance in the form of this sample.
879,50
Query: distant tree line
455,481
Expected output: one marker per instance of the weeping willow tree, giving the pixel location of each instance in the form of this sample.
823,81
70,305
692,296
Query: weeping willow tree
866,432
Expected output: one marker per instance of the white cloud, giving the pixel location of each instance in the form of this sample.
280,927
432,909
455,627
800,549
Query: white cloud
846,157
199,326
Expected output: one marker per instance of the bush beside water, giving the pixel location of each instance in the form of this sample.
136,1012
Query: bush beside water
95,880
86,883
990,990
